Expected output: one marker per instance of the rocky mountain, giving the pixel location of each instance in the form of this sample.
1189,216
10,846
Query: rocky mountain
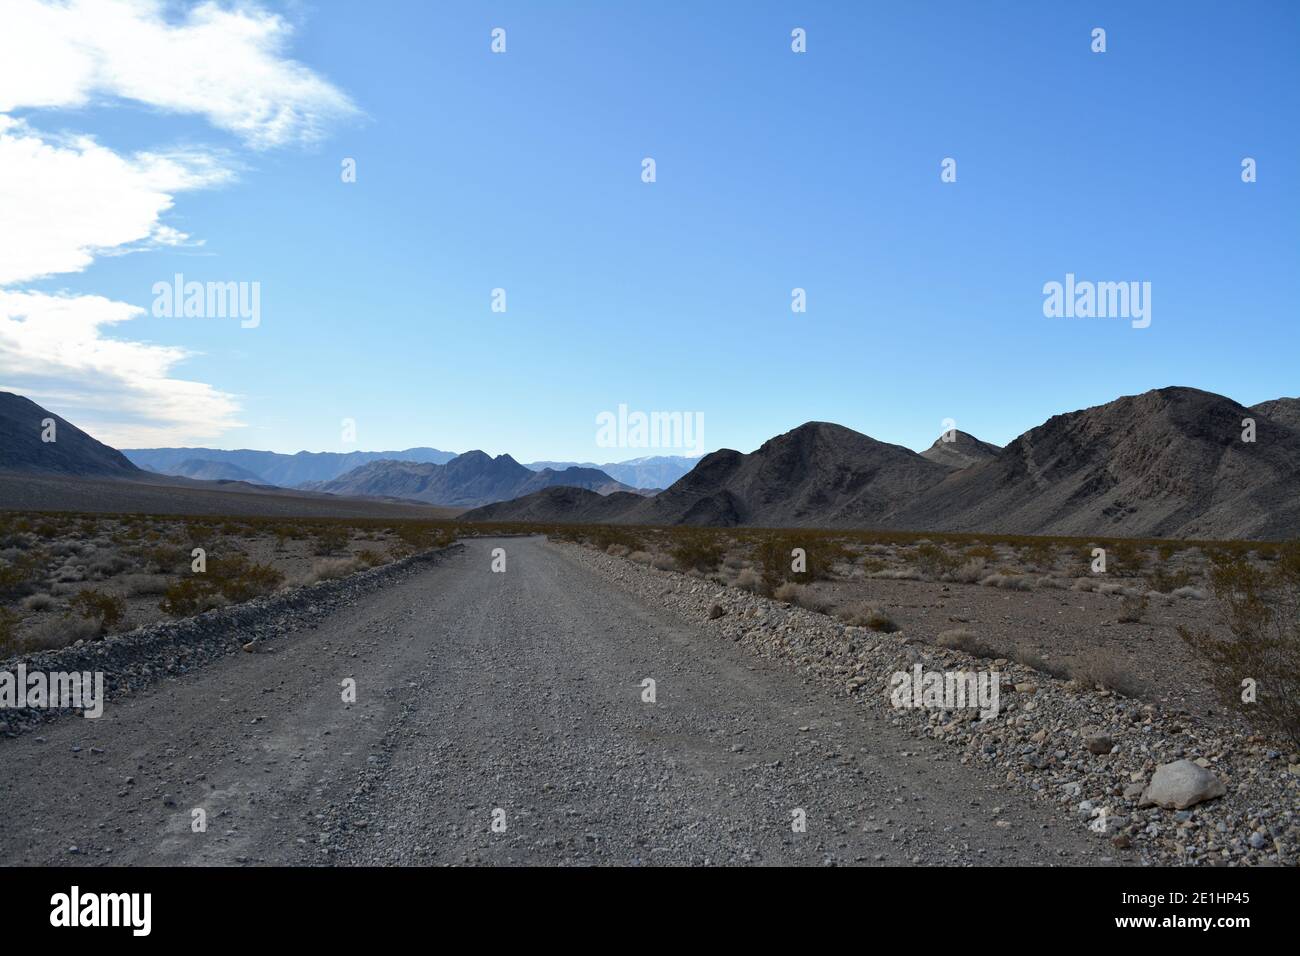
963,450
655,471
1166,463
274,468
71,452
1284,411
819,474
469,480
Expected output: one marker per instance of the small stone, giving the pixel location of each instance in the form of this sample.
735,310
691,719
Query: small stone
1099,744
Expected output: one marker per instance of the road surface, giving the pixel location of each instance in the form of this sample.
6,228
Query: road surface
499,719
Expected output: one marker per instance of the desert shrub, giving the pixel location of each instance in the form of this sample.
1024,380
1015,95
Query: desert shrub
699,552
970,571
1040,553
8,629
605,536
618,550
803,596
933,561
871,565
368,558
1195,594
1163,582
107,610
663,562
1132,608
166,558
1041,664
239,580
329,569
139,584
1097,668
640,557
39,602
59,631
982,551
867,615
186,597
1261,608
962,639
331,539
1009,582
749,580
775,561
1123,558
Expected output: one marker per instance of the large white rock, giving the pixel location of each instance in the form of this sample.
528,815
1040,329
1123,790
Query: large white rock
1181,784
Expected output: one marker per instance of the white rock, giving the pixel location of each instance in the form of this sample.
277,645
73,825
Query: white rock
1181,784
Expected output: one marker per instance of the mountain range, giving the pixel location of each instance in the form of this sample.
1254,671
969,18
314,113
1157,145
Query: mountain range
304,469
467,481
1171,462
269,467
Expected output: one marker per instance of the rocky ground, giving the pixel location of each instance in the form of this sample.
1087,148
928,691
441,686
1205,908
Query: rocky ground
1092,754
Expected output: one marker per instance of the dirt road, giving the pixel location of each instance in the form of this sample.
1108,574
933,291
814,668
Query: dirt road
499,719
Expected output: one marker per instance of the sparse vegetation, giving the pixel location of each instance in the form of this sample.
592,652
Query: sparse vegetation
1257,670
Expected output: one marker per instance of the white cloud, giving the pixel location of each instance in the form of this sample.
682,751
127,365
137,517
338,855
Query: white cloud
61,203
52,350
65,200
225,64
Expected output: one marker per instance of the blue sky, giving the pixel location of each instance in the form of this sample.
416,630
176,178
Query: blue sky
775,170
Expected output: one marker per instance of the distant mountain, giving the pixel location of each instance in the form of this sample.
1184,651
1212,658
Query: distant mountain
204,469
274,468
469,480
658,471
71,452
961,451
818,474
1167,463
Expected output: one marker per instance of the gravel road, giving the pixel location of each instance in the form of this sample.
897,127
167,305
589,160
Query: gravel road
499,719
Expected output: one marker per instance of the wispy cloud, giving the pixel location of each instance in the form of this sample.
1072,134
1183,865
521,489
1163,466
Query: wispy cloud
66,199
52,348
224,63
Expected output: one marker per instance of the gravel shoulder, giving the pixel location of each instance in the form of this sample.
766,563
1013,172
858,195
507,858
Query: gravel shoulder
519,692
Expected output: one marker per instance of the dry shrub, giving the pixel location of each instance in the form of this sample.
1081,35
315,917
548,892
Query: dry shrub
802,595
40,602
697,551
1261,608
329,569
331,539
868,616
971,571
749,580
961,639
53,633
1098,668
1132,608
104,610
663,562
